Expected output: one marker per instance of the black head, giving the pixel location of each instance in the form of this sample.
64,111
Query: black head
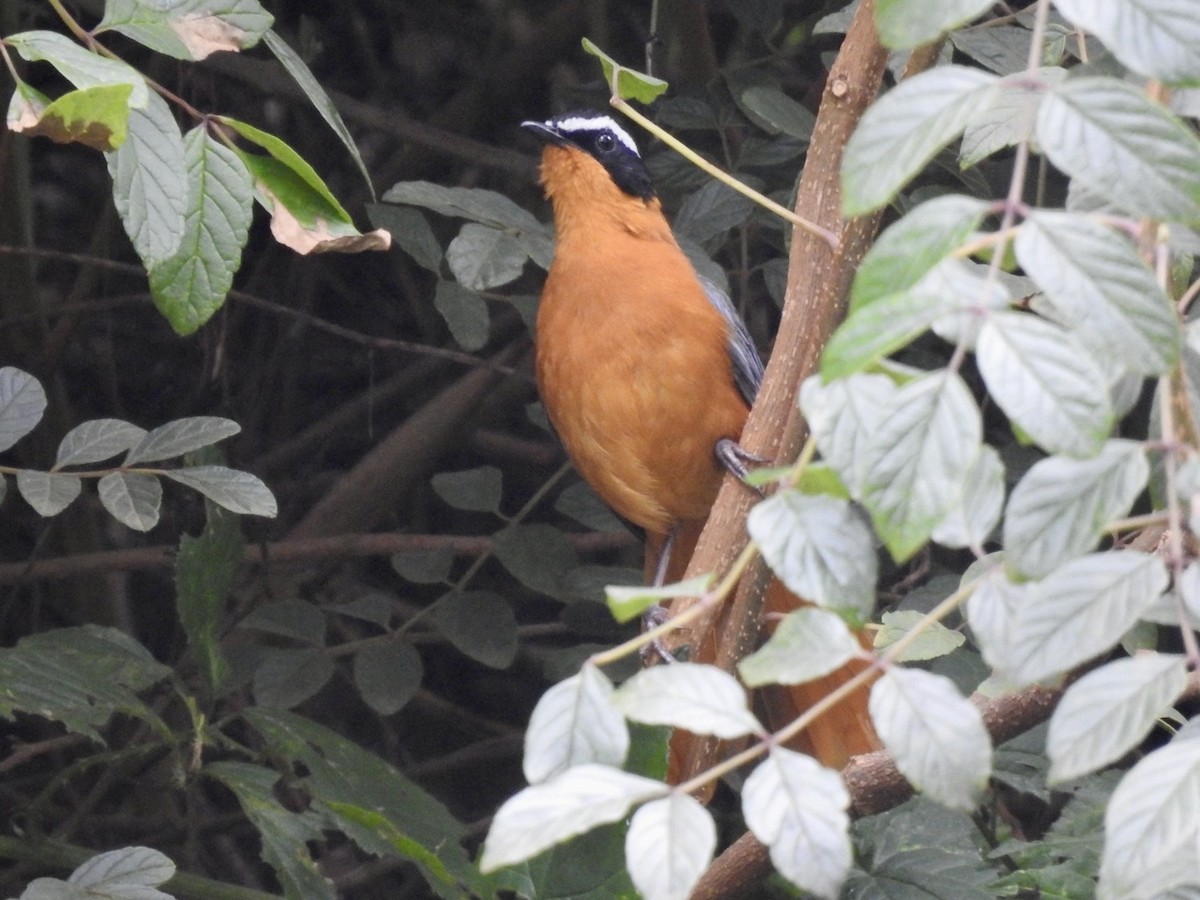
599,136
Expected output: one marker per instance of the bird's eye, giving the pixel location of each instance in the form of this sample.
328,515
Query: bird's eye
605,142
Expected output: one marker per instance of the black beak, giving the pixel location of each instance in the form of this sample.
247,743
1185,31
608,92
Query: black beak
545,133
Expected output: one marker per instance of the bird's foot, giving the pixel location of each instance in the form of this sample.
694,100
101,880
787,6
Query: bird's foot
736,459
652,618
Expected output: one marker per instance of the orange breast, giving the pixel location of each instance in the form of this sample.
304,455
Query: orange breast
634,373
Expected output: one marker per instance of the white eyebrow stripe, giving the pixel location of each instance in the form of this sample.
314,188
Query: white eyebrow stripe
596,123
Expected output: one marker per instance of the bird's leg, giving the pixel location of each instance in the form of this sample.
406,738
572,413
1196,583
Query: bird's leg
735,458
657,614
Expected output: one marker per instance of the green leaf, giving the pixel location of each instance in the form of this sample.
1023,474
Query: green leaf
569,804
539,556
150,184
1156,38
96,440
181,436
79,677
797,807
1095,279
411,232
465,312
130,872
188,29
22,403
478,490
909,248
482,257
238,492
903,24
284,834
292,162
192,284
1045,382
628,602
206,568
1003,49
388,675
1150,829
808,643
340,773
425,566
904,129
1059,508
670,844
936,640
78,65
97,117
1114,141
575,722
776,112
298,620
820,547
579,502
478,205
711,211
320,100
701,698
935,735
49,493
1109,711
132,498
287,678
626,83
918,458
369,821
480,624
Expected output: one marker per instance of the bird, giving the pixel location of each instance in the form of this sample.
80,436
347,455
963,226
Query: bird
645,369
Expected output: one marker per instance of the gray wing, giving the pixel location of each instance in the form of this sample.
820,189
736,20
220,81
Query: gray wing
743,355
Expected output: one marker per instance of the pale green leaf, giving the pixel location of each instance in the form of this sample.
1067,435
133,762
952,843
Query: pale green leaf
79,65
192,284
908,248
1060,507
1109,711
797,807
808,643
49,493
181,436
575,722
918,458
238,492
819,546
701,698
904,129
1077,612
935,735
669,845
1156,38
1151,826
97,117
132,498
843,415
96,440
22,403
973,516
1010,117
627,602
566,805
188,29
1119,144
150,185
904,24
627,83
1045,382
131,872
1095,279
934,641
